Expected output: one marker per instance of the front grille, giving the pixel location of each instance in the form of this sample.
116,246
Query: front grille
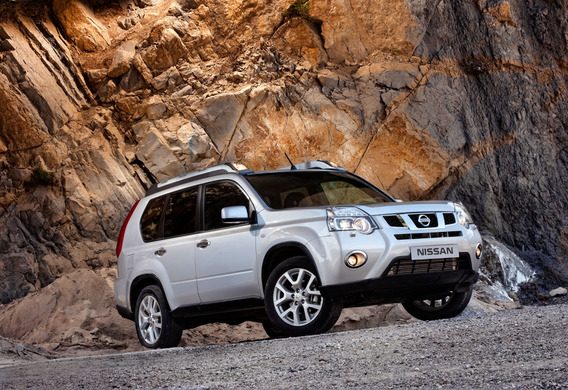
393,220
418,236
449,218
406,266
431,221
397,221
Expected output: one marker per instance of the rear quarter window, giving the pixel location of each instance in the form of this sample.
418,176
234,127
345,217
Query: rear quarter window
150,222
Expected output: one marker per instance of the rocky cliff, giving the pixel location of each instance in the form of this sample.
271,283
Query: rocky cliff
462,100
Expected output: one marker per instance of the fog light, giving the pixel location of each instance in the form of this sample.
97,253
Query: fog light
356,259
478,251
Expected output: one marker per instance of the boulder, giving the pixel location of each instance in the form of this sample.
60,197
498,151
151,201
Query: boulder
154,107
165,50
106,91
169,78
122,59
128,104
132,81
96,77
221,114
196,143
559,292
155,152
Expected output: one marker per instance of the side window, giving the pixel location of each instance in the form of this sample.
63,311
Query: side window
181,213
150,222
218,196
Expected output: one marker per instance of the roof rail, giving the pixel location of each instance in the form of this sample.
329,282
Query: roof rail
315,164
231,167
191,176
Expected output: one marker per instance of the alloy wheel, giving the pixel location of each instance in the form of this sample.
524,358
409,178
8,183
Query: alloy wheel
150,319
296,297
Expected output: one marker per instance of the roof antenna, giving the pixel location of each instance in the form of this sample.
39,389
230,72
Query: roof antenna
292,167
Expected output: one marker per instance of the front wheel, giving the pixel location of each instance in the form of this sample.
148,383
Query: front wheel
444,306
294,304
154,324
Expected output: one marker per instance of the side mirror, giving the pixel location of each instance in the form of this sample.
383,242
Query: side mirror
235,214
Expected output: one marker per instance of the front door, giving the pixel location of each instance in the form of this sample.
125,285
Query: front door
225,253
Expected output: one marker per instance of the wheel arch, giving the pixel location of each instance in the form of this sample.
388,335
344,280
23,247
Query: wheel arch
281,252
139,283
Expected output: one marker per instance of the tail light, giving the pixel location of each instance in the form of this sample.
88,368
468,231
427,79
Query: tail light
122,230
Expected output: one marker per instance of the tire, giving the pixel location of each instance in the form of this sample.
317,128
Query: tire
446,306
270,331
294,305
154,324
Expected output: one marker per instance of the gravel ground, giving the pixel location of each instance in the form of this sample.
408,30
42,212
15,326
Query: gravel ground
517,349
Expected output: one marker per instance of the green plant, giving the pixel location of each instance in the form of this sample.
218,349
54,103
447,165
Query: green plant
300,8
41,177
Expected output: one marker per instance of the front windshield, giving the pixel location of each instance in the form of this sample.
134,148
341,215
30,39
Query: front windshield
287,189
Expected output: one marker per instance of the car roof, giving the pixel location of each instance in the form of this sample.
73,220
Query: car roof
238,169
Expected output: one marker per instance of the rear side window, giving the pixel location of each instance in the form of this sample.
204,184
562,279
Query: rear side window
150,222
181,213
218,196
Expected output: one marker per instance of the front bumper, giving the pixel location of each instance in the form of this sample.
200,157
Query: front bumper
394,288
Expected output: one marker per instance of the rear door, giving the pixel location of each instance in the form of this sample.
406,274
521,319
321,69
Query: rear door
168,226
225,253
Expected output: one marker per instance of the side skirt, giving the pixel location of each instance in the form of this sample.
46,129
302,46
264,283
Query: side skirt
232,313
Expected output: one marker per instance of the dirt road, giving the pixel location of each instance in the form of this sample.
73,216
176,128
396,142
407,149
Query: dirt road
523,348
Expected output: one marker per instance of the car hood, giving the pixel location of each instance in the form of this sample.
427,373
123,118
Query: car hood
407,207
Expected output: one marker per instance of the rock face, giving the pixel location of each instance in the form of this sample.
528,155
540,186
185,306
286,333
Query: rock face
64,172
460,100
81,25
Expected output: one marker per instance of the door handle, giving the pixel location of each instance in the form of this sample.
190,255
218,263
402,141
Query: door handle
160,252
203,243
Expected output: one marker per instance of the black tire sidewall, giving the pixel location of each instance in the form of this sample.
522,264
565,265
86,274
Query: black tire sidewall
456,305
271,331
322,323
170,335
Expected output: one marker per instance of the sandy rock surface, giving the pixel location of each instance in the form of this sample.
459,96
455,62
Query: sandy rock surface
511,349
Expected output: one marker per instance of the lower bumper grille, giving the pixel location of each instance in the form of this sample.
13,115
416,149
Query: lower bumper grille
418,236
406,266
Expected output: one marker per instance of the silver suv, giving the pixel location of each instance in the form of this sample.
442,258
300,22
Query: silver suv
288,248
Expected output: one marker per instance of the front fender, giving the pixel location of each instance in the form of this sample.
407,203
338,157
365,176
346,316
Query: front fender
306,235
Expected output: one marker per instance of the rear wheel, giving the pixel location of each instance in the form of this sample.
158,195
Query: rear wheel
294,303
444,306
154,324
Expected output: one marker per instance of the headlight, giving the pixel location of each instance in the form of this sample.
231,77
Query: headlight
349,218
463,216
